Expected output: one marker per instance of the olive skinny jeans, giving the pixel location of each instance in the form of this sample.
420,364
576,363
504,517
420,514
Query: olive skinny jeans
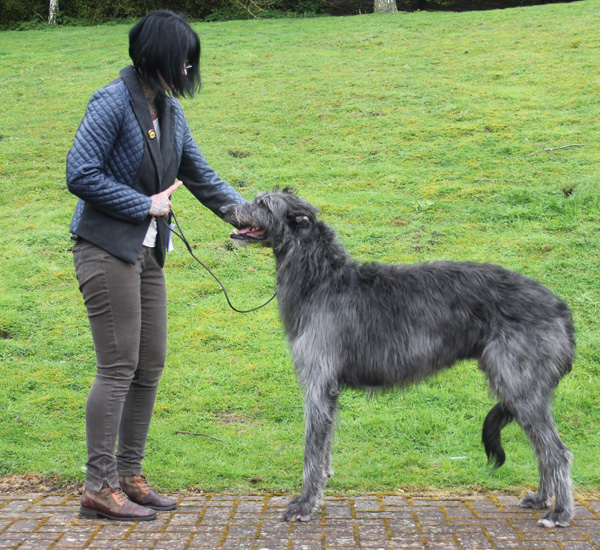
127,311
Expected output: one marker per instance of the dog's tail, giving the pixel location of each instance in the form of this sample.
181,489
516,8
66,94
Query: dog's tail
496,419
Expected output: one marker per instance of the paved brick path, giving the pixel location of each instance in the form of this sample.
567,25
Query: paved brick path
221,521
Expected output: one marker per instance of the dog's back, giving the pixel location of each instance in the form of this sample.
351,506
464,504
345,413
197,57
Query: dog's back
426,317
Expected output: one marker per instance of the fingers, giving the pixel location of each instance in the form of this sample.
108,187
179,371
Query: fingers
170,190
161,205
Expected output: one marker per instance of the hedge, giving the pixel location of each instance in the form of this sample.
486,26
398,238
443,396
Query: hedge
99,11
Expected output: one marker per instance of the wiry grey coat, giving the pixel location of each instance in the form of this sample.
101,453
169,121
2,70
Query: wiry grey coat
380,326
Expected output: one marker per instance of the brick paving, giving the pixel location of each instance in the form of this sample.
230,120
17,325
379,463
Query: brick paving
43,521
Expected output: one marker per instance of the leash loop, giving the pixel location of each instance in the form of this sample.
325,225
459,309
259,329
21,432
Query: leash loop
180,234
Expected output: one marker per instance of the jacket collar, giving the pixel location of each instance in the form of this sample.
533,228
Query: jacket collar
134,85
160,151
138,101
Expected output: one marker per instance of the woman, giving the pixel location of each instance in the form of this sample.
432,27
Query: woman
132,144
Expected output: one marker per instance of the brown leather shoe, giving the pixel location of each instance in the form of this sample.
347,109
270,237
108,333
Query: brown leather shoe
140,492
112,504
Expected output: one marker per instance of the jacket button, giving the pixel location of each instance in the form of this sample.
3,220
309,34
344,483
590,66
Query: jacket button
151,134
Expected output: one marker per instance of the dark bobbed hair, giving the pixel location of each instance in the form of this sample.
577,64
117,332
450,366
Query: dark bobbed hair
160,43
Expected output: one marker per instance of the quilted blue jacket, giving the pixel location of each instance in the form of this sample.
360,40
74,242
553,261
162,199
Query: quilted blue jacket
117,162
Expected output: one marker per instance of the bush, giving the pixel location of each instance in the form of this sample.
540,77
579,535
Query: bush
12,11
348,7
93,12
468,5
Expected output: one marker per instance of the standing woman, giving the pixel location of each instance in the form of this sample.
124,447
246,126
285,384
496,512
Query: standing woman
132,145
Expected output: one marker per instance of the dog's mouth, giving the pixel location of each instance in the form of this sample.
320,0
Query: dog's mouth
249,234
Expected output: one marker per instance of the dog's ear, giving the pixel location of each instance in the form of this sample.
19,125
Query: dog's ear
302,221
303,225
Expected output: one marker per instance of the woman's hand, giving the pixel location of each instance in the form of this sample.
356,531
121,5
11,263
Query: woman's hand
161,205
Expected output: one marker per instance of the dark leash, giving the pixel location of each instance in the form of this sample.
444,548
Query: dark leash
181,235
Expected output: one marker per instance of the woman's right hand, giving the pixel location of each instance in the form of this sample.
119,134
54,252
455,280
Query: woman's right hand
161,203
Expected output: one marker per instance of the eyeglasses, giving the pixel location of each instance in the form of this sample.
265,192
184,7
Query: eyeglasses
187,67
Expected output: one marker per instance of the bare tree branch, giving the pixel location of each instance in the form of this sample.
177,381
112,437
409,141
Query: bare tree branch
550,149
201,434
507,181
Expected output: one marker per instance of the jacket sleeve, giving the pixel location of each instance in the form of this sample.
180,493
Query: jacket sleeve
201,179
86,160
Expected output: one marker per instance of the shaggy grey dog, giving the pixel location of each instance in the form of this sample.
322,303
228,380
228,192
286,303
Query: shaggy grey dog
381,326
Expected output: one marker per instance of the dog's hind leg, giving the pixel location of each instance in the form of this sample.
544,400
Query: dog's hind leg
554,460
320,406
524,384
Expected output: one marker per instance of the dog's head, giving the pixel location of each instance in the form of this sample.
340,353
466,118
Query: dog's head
272,219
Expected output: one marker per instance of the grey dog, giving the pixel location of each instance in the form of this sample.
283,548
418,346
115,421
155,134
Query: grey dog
381,326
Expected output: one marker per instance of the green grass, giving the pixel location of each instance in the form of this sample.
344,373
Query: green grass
417,135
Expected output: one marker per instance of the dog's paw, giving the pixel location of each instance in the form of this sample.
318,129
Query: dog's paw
535,501
556,518
298,510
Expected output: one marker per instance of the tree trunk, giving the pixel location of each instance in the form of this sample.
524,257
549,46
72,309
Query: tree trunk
53,12
385,6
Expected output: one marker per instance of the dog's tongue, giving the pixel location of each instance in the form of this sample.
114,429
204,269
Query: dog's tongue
247,231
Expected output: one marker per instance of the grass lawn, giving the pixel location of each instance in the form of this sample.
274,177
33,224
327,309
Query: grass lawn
421,136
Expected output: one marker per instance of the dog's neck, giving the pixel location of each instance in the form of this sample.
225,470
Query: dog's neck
304,265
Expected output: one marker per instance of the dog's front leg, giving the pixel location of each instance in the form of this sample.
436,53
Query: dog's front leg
320,405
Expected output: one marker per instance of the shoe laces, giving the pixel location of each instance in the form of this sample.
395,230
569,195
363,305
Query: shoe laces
143,483
119,496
